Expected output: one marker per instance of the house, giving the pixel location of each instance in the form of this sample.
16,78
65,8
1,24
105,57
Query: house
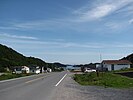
115,64
70,67
35,69
98,65
49,70
77,69
21,69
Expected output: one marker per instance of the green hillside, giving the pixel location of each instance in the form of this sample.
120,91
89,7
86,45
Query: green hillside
129,58
10,58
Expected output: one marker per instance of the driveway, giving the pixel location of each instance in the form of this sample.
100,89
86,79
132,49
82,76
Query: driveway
70,90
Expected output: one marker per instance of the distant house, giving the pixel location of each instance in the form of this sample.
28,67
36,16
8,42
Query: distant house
98,65
21,69
49,70
115,64
35,69
77,69
70,67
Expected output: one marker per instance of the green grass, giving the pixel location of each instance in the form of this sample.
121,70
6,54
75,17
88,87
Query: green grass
124,70
11,76
105,79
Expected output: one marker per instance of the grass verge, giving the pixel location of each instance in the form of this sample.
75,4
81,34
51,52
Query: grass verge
105,79
123,70
11,76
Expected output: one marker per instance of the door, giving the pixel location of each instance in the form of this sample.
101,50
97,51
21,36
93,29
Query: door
112,67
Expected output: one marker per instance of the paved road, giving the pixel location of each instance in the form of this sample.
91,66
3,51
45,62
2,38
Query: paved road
47,87
38,87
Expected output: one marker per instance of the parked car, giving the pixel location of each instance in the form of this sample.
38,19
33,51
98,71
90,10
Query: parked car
89,70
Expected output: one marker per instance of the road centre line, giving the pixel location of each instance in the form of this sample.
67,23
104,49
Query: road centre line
37,79
25,83
61,80
34,80
21,84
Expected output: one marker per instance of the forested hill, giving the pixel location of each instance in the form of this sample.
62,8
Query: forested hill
9,58
129,58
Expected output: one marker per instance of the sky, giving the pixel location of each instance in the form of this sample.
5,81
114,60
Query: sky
68,31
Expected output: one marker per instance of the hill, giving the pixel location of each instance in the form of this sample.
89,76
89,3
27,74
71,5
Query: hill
59,64
129,58
10,57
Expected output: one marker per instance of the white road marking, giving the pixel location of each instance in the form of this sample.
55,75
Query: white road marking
61,80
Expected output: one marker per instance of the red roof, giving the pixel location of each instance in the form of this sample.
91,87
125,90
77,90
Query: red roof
116,62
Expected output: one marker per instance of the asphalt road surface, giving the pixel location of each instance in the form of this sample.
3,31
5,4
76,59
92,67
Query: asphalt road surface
58,86
37,87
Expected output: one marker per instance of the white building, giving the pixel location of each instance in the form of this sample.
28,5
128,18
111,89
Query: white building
21,69
35,69
115,64
49,70
25,69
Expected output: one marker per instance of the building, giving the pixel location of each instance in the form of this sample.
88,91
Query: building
21,69
115,64
49,70
35,69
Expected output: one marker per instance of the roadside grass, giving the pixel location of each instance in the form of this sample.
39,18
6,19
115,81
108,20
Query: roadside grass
106,79
11,76
123,70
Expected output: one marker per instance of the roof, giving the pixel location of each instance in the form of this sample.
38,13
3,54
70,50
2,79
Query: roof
116,62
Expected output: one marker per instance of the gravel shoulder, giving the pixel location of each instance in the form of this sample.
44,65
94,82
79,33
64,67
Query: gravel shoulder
70,90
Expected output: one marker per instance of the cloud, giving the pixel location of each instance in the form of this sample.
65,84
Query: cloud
114,25
5,35
54,44
124,45
100,9
8,28
131,21
98,12
32,42
39,25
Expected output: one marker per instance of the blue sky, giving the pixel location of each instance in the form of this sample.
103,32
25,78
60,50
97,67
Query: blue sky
68,31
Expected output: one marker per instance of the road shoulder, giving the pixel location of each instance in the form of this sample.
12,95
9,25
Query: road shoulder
70,90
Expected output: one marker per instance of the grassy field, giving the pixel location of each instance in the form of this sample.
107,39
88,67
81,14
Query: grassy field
10,76
107,79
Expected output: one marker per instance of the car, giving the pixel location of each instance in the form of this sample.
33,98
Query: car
89,70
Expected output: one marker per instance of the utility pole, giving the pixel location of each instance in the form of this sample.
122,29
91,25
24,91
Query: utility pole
100,58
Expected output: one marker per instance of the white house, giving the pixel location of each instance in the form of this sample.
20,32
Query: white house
21,69
115,64
35,69
25,69
49,70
